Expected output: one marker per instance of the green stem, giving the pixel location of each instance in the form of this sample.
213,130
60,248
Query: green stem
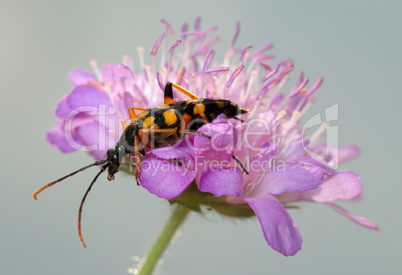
176,219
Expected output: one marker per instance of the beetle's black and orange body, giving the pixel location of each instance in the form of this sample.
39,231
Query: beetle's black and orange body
168,123
169,116
159,126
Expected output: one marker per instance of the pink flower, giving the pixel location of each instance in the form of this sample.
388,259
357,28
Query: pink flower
282,164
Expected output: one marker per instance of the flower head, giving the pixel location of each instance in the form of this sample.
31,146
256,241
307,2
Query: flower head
251,167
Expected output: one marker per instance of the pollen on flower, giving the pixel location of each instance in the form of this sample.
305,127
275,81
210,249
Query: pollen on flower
302,91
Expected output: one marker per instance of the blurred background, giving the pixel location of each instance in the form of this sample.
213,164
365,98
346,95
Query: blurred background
355,45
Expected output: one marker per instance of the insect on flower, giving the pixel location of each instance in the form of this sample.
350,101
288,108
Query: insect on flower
155,127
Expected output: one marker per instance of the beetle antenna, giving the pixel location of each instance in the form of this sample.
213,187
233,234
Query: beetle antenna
83,200
239,119
241,165
69,175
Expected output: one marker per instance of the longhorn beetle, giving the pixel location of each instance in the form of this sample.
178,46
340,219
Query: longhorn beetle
155,127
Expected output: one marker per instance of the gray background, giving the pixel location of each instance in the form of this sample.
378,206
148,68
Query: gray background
356,46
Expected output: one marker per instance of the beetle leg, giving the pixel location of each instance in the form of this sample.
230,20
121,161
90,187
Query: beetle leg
202,114
124,124
185,120
137,158
174,131
182,132
145,139
132,114
151,131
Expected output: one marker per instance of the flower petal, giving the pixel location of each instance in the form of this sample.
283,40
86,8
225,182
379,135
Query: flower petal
221,181
95,142
63,109
357,219
128,100
80,77
221,145
57,139
169,153
85,96
294,150
121,76
348,152
293,178
258,165
165,178
315,162
279,230
344,185
263,159
337,154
